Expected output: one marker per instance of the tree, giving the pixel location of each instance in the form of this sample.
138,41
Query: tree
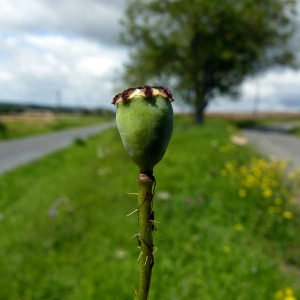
201,48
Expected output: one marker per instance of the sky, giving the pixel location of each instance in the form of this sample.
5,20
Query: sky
71,48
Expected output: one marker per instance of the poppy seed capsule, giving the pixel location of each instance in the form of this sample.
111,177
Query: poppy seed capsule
145,122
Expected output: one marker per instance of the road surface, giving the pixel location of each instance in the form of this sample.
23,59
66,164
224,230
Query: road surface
276,141
17,152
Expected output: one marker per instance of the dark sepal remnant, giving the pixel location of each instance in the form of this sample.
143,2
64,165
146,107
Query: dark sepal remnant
146,89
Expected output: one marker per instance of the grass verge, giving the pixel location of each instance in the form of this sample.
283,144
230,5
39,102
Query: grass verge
18,126
221,234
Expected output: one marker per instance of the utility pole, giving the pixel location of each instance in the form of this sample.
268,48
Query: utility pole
256,99
58,98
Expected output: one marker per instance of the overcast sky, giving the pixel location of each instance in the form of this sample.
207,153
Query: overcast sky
71,47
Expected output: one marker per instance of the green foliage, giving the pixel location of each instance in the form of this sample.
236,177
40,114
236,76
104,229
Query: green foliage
205,48
65,235
295,131
3,130
79,141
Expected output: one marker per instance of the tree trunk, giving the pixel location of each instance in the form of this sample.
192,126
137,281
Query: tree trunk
199,112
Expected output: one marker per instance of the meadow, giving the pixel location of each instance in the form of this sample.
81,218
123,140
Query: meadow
228,222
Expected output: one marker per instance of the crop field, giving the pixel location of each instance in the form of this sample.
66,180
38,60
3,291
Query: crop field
260,116
228,222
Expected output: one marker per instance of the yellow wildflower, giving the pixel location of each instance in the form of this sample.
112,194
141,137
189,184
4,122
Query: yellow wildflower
282,164
286,294
292,175
243,170
226,249
261,163
239,227
257,172
288,215
289,294
242,193
267,193
229,165
250,180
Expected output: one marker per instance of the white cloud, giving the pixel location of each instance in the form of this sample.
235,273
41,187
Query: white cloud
5,76
38,65
86,18
52,45
273,91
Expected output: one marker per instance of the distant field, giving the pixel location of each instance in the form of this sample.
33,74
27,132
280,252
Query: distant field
24,124
275,116
227,222
243,120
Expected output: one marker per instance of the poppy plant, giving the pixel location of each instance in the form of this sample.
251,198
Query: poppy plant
144,119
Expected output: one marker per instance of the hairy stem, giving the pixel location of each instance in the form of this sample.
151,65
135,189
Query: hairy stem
145,224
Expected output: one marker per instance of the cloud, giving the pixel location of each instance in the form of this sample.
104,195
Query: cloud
86,18
39,65
52,45
276,90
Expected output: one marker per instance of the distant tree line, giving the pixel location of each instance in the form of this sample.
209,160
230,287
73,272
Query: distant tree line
13,108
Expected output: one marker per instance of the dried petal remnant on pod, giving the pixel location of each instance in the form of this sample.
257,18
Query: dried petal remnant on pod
143,91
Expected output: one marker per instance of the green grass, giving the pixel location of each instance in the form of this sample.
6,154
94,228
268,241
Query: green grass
18,127
65,235
295,131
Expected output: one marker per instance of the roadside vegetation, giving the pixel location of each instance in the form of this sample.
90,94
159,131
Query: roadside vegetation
227,225
20,125
295,130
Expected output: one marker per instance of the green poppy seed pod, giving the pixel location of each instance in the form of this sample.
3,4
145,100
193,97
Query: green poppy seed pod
145,122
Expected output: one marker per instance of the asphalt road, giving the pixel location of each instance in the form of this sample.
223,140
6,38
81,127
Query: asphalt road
275,140
14,153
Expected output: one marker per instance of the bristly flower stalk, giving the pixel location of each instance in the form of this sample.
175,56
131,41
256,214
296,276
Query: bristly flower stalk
145,122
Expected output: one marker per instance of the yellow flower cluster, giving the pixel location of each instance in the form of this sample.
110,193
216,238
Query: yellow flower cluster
285,294
265,179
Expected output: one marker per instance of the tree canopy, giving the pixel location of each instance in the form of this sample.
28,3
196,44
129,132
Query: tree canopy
201,49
